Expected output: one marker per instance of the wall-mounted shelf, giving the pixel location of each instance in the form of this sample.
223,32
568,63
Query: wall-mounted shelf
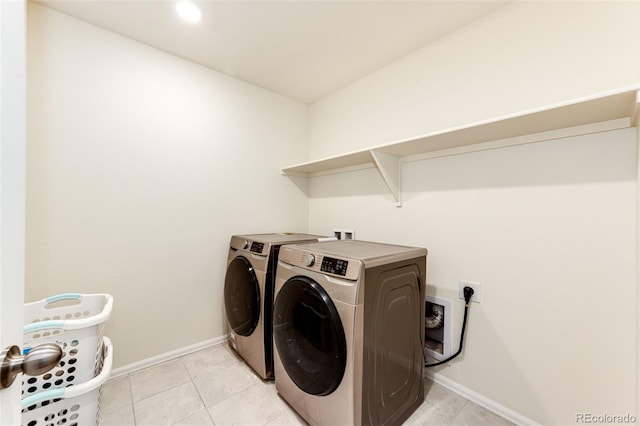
603,111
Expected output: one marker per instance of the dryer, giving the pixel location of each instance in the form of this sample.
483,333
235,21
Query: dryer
349,331
248,295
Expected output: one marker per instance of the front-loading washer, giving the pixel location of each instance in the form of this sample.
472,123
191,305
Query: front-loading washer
349,331
248,295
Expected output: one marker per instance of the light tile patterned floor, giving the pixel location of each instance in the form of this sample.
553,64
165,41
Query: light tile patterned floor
215,387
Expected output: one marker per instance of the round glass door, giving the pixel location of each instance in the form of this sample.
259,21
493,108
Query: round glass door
242,296
309,336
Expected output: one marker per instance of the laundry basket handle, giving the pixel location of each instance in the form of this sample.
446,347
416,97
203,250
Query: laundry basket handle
80,389
74,323
63,296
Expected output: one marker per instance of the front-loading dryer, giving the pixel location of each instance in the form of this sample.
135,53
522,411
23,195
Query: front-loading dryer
349,331
248,295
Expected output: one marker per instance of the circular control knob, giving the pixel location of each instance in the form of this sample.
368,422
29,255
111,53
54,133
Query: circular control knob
245,244
309,259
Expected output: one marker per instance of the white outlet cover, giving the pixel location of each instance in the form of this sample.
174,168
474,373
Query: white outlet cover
477,290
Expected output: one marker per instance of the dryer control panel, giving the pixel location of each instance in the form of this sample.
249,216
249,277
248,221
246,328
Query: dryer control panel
339,267
257,247
248,245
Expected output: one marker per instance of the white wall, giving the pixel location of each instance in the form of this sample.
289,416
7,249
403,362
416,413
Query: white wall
525,55
549,229
140,167
123,197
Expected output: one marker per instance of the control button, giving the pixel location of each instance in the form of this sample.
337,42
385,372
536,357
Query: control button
245,244
309,259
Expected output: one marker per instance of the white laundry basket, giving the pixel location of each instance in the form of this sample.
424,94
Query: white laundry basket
75,322
77,405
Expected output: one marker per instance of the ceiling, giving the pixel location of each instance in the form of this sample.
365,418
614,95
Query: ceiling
302,49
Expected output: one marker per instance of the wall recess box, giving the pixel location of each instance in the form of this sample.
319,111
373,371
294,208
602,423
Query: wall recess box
437,343
344,234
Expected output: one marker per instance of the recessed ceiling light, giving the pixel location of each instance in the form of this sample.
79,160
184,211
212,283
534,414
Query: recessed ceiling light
188,11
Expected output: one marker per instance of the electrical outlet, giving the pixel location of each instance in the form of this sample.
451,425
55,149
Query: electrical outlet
477,290
338,234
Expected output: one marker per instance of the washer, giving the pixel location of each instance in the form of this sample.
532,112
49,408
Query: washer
248,295
349,331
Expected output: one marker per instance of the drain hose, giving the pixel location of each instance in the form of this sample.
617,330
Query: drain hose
436,320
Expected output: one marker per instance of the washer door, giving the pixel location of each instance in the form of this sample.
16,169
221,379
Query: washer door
309,336
242,296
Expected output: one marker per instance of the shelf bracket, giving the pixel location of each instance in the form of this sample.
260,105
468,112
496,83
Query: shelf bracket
389,167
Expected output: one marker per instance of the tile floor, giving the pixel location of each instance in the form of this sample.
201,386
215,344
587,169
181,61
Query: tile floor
215,387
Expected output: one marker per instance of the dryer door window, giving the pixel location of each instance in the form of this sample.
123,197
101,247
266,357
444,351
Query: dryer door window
309,336
242,296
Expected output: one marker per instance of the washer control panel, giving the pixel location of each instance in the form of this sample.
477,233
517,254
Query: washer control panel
334,266
314,261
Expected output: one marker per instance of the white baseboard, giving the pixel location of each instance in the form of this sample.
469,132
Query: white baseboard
481,400
168,356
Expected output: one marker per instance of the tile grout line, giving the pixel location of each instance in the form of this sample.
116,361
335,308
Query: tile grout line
197,391
173,386
133,408
460,411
